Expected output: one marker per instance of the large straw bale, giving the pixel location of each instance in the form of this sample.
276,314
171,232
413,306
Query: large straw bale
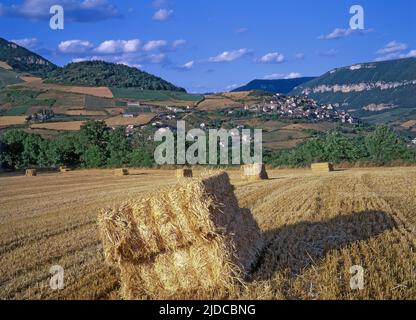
121,172
190,241
255,172
31,173
322,167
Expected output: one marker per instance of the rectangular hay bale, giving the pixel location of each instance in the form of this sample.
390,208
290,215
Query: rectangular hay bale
64,169
255,172
31,173
187,242
121,172
322,167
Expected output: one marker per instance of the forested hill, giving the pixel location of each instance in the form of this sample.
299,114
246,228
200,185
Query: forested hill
100,73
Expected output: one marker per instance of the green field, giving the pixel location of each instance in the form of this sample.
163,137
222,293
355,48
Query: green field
8,77
152,95
15,111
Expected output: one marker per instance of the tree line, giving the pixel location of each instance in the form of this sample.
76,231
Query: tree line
381,146
96,146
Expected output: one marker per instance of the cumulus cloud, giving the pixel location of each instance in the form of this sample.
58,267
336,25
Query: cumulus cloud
155,45
113,59
187,66
162,14
394,50
75,46
118,46
275,76
339,33
393,47
273,57
28,43
75,10
178,43
228,56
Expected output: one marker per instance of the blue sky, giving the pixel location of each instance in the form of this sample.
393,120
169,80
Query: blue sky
215,45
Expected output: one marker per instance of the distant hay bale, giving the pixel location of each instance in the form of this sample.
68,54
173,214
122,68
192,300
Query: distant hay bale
121,172
187,242
255,172
64,169
184,173
31,173
322,167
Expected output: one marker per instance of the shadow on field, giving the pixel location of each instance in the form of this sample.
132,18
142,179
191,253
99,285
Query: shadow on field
298,246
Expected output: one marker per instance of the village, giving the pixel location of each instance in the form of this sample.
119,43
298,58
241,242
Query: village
294,107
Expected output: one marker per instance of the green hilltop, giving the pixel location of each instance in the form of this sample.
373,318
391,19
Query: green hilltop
100,73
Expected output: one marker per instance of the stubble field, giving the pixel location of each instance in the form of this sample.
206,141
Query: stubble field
316,227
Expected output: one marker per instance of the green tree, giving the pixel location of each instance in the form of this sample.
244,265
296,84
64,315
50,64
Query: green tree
383,145
118,148
94,157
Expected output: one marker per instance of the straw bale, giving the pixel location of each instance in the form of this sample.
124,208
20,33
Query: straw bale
322,167
190,241
31,173
121,172
255,172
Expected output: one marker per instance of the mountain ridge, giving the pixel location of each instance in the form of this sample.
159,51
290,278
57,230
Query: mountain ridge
282,86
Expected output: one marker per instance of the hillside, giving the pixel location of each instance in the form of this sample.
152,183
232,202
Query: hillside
23,60
283,86
377,91
100,73
8,77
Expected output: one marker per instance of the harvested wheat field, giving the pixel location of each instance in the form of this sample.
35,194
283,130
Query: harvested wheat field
12,120
59,126
315,227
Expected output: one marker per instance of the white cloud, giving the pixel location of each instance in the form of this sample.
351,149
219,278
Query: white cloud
162,14
394,50
155,58
411,54
187,66
393,47
155,45
342,33
228,56
74,46
118,46
273,57
233,86
177,43
28,43
275,76
75,10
